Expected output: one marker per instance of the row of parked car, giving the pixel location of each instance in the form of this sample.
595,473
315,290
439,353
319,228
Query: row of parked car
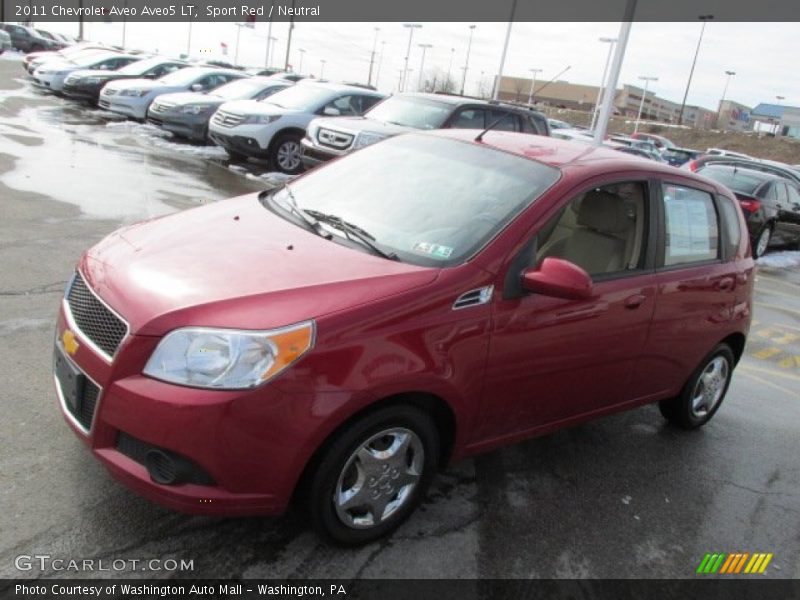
768,191
28,39
296,124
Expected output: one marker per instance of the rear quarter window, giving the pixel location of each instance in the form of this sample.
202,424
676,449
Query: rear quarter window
731,228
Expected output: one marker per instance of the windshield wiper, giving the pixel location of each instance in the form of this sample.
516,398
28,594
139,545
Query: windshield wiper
312,224
351,232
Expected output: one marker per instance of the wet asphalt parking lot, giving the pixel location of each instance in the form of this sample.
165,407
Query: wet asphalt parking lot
624,496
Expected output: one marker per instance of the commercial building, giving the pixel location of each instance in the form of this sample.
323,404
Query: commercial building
734,116
777,118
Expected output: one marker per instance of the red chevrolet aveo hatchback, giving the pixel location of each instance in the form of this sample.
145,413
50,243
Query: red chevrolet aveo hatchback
334,341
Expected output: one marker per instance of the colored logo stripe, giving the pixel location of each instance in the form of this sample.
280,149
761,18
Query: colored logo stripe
734,563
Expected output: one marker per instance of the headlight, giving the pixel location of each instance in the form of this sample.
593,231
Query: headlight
365,138
136,93
195,109
261,119
228,358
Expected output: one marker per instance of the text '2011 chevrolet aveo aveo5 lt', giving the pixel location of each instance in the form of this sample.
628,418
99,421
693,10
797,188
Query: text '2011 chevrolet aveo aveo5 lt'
333,341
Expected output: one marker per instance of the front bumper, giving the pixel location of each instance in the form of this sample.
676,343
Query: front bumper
187,125
251,444
130,106
314,155
241,144
83,91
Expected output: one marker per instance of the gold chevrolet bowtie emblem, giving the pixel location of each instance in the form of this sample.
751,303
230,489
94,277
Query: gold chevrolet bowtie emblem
70,343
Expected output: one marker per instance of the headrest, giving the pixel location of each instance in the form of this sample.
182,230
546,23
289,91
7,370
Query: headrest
603,212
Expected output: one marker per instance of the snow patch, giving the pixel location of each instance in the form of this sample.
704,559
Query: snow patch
780,260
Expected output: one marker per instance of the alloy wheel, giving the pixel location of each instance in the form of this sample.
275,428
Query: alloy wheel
710,387
288,155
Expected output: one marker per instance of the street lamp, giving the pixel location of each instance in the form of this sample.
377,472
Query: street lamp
300,67
466,64
533,84
411,27
646,80
372,56
322,62
380,62
725,89
704,19
610,42
422,65
449,70
271,43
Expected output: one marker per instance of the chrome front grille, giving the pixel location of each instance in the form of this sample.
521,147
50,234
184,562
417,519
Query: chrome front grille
160,107
334,139
226,119
93,319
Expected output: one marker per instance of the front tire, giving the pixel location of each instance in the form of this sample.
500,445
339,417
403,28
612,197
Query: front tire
702,395
373,475
287,154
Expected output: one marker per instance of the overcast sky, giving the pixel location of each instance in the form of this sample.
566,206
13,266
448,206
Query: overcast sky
763,55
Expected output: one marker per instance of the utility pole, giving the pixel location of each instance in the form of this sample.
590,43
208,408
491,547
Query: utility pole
610,42
466,63
267,58
411,27
289,41
496,92
613,76
372,56
725,90
380,62
236,52
704,19
533,84
449,70
322,62
302,54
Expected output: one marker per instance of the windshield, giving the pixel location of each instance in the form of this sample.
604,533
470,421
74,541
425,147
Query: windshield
410,112
241,88
431,201
307,98
738,180
182,77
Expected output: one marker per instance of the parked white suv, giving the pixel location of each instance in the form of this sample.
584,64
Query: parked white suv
272,128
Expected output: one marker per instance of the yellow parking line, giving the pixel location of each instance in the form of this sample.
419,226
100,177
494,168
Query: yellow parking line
770,372
790,362
767,353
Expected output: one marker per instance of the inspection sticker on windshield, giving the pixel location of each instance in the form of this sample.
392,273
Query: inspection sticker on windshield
434,250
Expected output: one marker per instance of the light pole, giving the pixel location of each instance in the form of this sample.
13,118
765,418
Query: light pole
236,52
466,63
302,54
322,62
267,58
610,42
411,27
496,91
724,93
704,19
646,80
422,65
533,84
271,43
372,56
778,124
449,70
380,62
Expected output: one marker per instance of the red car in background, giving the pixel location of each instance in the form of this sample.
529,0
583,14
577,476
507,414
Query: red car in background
435,295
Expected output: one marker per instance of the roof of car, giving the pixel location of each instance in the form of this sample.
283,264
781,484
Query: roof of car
763,175
454,100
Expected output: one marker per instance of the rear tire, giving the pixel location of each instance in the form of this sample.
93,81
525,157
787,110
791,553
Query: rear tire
373,475
761,241
703,394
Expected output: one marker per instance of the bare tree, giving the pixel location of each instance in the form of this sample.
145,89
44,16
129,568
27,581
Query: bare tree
437,80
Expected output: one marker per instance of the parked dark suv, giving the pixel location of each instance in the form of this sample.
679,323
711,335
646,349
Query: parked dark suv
26,39
328,138
771,204
765,166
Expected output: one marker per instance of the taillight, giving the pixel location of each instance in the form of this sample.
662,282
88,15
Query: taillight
749,204
692,165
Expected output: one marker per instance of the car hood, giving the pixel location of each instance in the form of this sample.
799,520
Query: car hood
183,98
58,65
235,264
358,124
144,84
254,107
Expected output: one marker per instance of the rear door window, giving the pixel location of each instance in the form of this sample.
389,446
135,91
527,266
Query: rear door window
507,121
470,118
691,226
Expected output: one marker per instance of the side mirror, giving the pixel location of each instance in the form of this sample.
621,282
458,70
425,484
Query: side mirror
558,278
197,87
331,111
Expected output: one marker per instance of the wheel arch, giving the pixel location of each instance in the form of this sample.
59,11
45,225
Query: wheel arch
735,342
292,129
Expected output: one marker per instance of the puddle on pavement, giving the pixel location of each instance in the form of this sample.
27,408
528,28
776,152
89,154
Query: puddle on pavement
107,166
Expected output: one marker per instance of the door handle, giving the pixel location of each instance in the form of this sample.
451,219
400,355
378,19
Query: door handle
635,301
724,285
